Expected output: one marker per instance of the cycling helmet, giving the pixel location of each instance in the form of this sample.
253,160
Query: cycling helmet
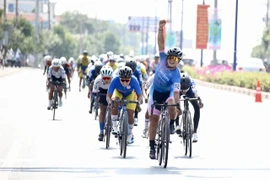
132,64
125,72
71,59
63,60
120,60
112,57
85,52
121,64
156,55
109,53
98,66
47,58
98,63
106,71
185,82
122,56
175,52
56,62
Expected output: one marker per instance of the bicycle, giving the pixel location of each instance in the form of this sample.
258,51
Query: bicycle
55,96
187,129
108,126
96,103
123,125
163,133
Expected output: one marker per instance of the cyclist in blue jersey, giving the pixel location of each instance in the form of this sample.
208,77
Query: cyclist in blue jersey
137,73
166,86
126,86
93,72
188,88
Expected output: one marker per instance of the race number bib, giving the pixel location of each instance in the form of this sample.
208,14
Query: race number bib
177,87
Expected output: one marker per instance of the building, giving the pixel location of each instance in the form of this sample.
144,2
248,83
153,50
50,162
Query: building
26,9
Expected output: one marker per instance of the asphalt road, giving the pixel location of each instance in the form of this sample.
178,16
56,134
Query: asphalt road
233,138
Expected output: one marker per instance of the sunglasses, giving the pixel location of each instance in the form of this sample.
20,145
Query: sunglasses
175,58
112,60
124,80
106,78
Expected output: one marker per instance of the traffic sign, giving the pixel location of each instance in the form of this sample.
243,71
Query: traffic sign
143,23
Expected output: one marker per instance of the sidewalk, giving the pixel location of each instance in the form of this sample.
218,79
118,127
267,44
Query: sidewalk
249,92
10,70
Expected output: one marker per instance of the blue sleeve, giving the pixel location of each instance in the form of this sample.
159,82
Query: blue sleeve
112,85
136,86
92,75
138,75
162,56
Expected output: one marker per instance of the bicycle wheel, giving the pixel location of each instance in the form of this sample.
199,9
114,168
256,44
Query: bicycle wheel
189,133
55,101
108,128
165,141
159,144
124,134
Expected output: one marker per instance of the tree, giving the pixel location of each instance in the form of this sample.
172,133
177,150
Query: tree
19,40
25,26
111,42
262,51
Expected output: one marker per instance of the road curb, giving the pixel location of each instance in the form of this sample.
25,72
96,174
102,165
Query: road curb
235,89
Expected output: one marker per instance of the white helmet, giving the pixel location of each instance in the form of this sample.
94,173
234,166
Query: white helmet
56,62
110,53
47,58
71,59
121,64
98,63
106,71
63,60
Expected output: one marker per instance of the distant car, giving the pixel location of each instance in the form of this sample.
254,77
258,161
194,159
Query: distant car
189,62
250,65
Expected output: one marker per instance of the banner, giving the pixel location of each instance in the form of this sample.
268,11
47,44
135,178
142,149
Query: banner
202,27
214,41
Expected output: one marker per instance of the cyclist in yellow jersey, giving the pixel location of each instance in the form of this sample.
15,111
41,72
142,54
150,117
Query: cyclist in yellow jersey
83,62
112,63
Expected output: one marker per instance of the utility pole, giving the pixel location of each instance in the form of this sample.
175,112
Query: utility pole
235,36
36,38
215,37
49,15
155,46
17,14
147,31
181,31
267,13
142,37
170,13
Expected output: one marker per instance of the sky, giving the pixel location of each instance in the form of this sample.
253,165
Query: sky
250,13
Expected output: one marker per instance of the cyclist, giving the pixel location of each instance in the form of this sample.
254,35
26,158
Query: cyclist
126,86
146,88
72,65
112,62
137,73
91,76
83,62
109,55
101,85
154,63
48,62
56,73
67,69
188,88
165,87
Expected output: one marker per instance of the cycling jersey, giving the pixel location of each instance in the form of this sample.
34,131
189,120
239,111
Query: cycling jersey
92,74
83,62
98,84
59,75
149,82
141,68
114,67
166,80
192,92
125,91
67,69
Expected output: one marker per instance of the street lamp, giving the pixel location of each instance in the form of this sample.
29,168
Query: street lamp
235,36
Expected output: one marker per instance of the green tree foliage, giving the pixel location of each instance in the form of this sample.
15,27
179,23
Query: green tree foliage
111,42
263,50
19,40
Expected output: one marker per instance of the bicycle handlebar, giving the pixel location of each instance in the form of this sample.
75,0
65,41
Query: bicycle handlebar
164,104
124,102
190,99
